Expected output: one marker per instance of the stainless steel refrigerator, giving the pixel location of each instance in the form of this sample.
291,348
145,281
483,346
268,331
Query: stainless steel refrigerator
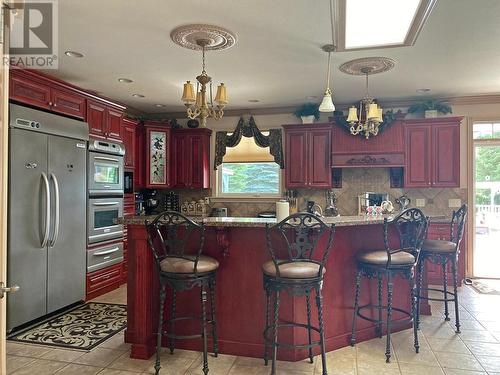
47,213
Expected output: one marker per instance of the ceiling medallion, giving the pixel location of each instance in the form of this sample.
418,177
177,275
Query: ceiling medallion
358,67
217,37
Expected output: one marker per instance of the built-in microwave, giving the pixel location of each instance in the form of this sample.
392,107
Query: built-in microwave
101,216
105,168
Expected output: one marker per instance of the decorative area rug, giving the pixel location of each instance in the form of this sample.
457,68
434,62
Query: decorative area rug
486,286
82,328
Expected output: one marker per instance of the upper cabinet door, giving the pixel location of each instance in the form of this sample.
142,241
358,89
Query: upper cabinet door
68,103
128,137
320,171
96,118
446,157
29,92
180,163
296,155
114,124
199,162
158,157
418,156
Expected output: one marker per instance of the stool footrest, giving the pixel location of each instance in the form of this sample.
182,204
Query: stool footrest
435,298
384,321
270,341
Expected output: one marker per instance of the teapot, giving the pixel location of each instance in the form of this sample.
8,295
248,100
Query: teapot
387,207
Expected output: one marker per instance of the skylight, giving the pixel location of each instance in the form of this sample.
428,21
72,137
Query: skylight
372,23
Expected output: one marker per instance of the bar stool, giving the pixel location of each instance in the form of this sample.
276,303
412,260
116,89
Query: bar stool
411,226
297,273
444,252
168,235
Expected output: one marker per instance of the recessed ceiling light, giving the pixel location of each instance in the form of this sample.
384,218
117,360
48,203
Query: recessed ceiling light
160,105
423,90
125,80
253,100
138,95
73,54
311,97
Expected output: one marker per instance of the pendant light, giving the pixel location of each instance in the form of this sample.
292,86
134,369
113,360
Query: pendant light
327,102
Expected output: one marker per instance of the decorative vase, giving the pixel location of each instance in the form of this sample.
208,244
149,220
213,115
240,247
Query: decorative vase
431,113
307,119
193,124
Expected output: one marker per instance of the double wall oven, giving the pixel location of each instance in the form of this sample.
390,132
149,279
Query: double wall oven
105,203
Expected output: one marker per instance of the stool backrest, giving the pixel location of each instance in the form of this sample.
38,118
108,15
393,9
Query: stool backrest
301,232
169,233
458,220
411,226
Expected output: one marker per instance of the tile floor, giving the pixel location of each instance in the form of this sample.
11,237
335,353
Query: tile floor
475,351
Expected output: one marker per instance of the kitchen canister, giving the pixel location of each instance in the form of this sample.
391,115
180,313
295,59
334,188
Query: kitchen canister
282,210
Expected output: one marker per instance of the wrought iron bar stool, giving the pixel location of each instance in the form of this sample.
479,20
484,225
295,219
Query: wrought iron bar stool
297,272
168,235
443,253
411,227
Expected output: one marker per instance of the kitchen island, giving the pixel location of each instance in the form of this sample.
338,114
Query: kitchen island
239,245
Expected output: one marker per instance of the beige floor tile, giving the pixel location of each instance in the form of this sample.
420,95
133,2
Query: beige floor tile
379,368
347,352
109,371
26,350
423,357
481,336
14,362
220,365
468,325
250,370
63,355
489,363
177,363
247,361
458,361
40,367
414,369
453,345
124,362
442,331
116,342
337,365
451,371
372,350
99,357
484,348
76,369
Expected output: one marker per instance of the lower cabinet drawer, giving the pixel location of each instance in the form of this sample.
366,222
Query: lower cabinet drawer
104,256
104,278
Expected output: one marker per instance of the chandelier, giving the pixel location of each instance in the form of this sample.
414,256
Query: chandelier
370,114
202,104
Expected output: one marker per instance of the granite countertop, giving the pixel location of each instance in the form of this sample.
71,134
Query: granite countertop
341,221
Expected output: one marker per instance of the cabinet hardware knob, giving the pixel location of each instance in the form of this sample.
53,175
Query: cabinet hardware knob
50,103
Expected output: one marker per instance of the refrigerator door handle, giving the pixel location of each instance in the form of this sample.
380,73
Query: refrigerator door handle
47,211
57,210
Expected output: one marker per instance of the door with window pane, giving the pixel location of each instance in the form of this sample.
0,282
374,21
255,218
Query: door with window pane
486,161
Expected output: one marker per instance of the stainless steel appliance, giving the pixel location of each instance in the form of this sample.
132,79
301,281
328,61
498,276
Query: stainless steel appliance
101,214
104,256
105,172
46,229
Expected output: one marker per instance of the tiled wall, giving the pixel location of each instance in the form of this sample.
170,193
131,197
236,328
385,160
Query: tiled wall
355,181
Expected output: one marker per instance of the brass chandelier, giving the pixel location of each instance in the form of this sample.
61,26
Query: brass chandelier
200,105
370,114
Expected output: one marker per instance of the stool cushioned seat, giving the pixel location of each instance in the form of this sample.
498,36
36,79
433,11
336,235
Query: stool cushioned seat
379,258
439,246
181,265
295,270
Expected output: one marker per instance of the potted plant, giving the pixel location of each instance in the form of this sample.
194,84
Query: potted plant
430,108
307,112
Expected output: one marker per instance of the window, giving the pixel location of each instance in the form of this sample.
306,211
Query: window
486,130
248,170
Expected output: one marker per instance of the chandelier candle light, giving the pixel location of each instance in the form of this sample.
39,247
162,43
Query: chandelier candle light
198,105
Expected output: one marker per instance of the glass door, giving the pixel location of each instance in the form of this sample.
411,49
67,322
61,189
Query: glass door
486,252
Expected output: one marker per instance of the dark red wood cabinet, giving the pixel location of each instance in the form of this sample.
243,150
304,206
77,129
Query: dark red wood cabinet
103,281
128,137
104,121
308,156
432,152
191,158
27,89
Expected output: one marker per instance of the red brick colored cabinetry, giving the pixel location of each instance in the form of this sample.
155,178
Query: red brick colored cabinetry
432,152
104,121
103,281
191,158
128,137
308,156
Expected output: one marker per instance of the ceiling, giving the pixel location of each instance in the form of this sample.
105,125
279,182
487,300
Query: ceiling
277,58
